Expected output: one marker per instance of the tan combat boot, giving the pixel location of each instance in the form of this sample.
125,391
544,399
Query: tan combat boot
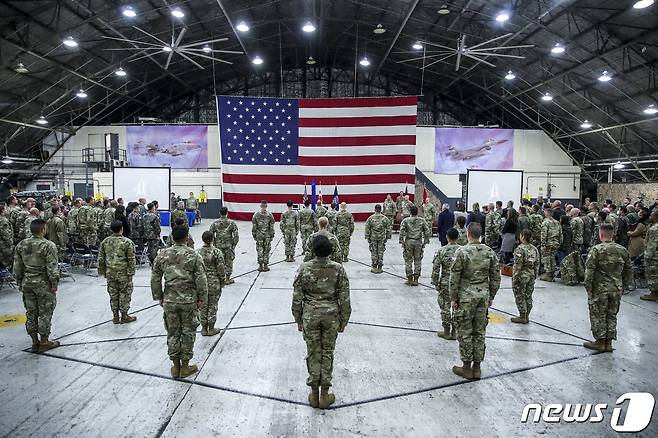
175,369
46,345
416,280
410,280
521,319
453,333
115,317
653,296
211,330
380,269
125,318
265,267
35,343
326,399
608,346
186,369
229,281
260,267
464,371
204,330
314,397
598,345
477,372
445,334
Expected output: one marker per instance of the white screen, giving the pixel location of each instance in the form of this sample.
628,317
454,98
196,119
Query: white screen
152,183
491,186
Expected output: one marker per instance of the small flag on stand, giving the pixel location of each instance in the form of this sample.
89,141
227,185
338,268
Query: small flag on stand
424,194
335,199
305,198
320,192
313,197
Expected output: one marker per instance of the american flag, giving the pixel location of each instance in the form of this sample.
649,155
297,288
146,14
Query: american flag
271,147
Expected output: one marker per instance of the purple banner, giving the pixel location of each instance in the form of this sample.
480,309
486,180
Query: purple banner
178,147
458,149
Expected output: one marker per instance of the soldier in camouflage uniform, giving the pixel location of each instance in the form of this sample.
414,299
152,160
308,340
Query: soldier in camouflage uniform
72,222
262,229
185,291
100,231
18,217
116,262
429,213
524,273
414,235
152,230
572,269
136,222
406,207
56,230
108,218
321,308
336,253
398,203
25,231
474,282
193,206
37,275
331,216
389,209
492,228
6,240
11,205
524,220
551,239
320,210
290,228
441,265
189,241
179,213
536,219
378,231
344,229
607,274
87,223
461,230
226,239
308,223
213,262
651,258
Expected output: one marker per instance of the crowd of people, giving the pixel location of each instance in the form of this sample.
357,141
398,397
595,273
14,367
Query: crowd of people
594,244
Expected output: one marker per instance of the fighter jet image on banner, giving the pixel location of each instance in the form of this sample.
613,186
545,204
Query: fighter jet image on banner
476,152
178,147
458,149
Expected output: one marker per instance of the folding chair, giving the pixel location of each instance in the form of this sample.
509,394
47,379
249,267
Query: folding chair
141,255
83,254
6,277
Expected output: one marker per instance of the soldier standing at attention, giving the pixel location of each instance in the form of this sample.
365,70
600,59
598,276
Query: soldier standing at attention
6,240
441,265
136,222
33,214
179,213
308,223
213,262
56,230
389,209
429,213
336,252
152,230
37,275
378,231
108,217
320,210
262,228
344,229
525,271
226,239
116,262
87,222
607,274
536,219
185,291
398,202
414,235
651,258
492,228
180,223
406,207
524,220
577,229
461,230
290,228
193,206
331,216
551,239
321,307
474,282
18,217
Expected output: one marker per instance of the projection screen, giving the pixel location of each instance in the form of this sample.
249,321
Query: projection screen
485,186
152,183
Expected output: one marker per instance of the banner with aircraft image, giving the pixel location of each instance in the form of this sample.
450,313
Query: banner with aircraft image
459,149
178,147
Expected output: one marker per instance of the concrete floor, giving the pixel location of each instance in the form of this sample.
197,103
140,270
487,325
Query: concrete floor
392,373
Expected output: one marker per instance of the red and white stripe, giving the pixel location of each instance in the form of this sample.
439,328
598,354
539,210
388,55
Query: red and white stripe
364,145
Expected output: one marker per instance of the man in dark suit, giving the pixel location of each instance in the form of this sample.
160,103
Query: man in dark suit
446,221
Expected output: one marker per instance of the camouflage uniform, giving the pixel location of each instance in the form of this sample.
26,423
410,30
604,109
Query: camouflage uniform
463,238
56,233
72,225
336,252
87,223
35,268
524,223
152,230
135,220
213,261
189,242
26,233
551,239
185,285
100,229
17,219
6,243
398,204
651,258
405,208
289,228
116,262
378,231
588,225
577,227
536,219
607,273
429,213
320,211
474,282
572,270
321,304
492,229
308,224
108,218
414,235
344,230
176,214
441,265
262,229
526,269
226,239
389,210
331,217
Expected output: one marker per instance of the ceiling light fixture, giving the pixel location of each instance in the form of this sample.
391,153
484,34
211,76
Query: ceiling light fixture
618,165
20,68
586,124
257,60
177,12
557,49
444,10
417,45
502,17
379,29
308,27
547,97
310,60
605,77
6,160
166,49
643,4
206,48
651,110
70,42
120,72
365,61
128,11
242,27
510,75
81,94
42,120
